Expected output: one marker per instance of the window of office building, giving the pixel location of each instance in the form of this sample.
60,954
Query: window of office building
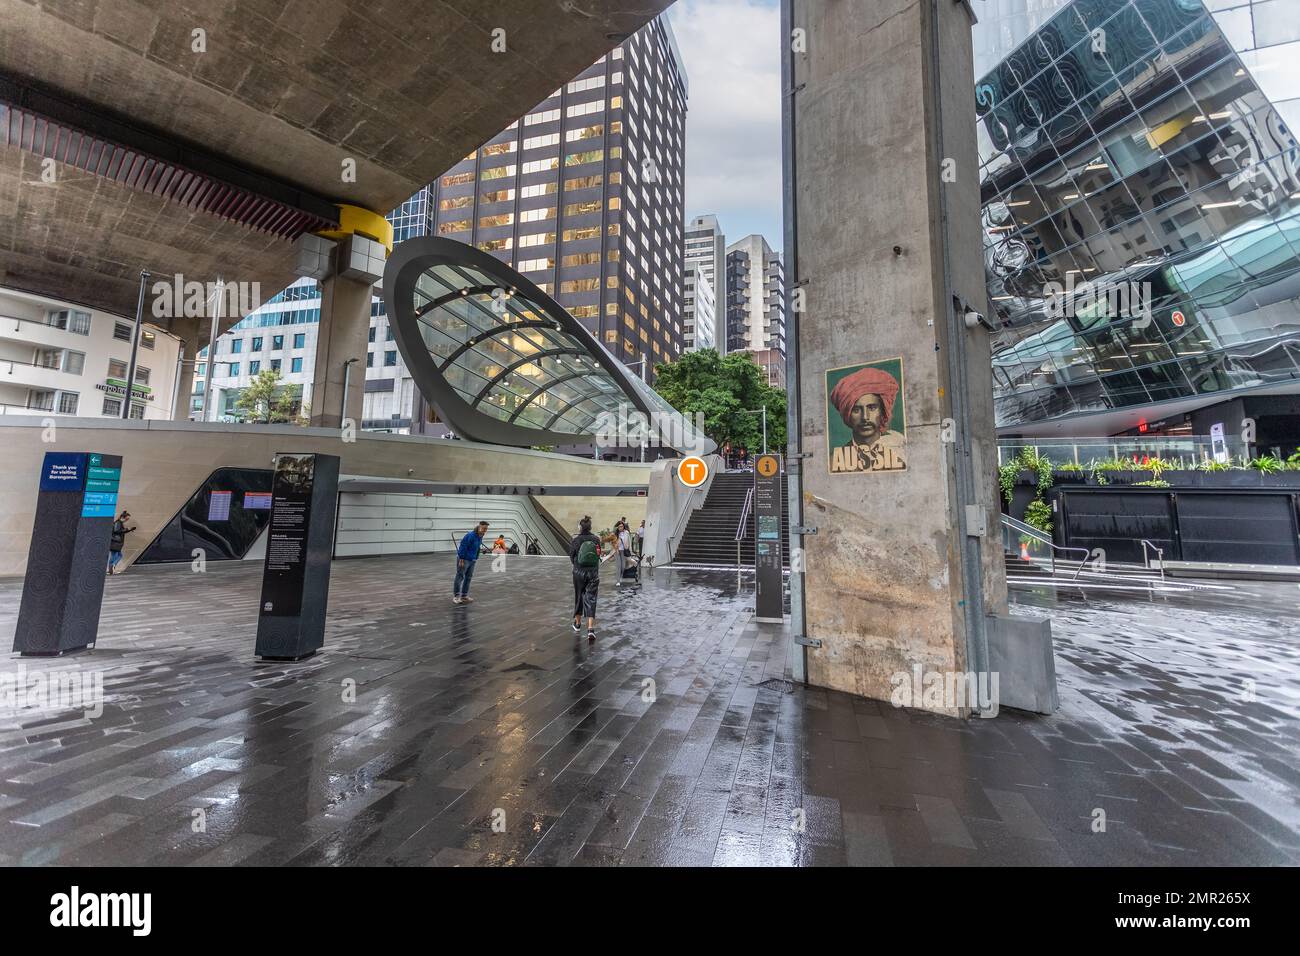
502,219
457,179
68,402
536,239
122,331
499,195
254,367
537,215
112,406
587,156
585,132
277,343
390,357
496,245
141,375
581,208
456,202
537,189
300,340
236,346
295,364
499,149
257,344
275,365
234,369
497,172
146,339
457,225
370,360
536,142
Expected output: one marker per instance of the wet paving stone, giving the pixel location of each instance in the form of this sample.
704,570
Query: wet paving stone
428,734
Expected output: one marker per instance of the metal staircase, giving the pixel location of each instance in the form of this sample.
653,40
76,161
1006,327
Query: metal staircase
721,533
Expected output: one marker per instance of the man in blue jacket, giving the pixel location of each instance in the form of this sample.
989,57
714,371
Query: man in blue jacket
466,555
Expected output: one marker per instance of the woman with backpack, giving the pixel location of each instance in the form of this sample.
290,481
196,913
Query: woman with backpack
584,554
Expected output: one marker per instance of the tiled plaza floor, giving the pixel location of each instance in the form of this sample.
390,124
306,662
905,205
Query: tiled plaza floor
488,734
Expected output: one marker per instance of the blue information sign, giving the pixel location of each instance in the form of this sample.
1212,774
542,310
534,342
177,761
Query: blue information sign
63,471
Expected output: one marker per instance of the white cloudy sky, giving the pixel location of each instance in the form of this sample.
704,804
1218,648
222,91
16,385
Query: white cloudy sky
733,121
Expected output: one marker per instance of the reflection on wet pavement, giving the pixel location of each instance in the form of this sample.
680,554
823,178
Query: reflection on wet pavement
431,734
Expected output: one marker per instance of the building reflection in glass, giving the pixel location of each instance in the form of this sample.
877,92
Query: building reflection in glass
1124,145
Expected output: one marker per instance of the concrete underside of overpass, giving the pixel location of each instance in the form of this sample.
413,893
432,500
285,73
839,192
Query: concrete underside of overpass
284,93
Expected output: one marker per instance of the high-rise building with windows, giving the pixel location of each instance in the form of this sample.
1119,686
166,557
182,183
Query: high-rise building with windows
755,312
706,250
701,310
1140,180
584,195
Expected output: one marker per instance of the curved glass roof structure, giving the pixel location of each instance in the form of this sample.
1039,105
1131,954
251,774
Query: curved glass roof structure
502,361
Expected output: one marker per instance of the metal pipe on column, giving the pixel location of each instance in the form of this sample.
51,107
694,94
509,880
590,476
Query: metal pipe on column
135,345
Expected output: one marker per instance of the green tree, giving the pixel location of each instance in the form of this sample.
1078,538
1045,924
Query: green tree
723,388
267,399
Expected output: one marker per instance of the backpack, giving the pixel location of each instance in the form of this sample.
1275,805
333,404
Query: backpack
588,555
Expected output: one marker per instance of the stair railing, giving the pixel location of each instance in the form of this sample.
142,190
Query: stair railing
1013,528
1160,556
742,527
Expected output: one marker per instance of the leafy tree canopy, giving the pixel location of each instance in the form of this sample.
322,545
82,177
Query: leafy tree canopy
266,399
723,387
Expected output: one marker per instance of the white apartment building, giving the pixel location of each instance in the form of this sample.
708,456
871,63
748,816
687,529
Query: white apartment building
61,359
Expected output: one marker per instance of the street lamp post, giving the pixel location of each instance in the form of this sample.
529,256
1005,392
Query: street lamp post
212,352
640,362
347,380
760,411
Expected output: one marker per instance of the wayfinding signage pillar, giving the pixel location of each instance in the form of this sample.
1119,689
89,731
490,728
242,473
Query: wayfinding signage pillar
296,573
768,584
68,559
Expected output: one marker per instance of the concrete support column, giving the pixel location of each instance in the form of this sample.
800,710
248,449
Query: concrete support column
188,330
344,334
885,186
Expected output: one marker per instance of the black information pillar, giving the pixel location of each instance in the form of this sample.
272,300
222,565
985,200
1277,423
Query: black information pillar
68,559
300,539
768,492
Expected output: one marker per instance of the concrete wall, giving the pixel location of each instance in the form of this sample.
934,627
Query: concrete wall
883,583
163,462
371,524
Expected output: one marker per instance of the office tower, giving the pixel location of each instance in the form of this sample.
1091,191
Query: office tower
755,312
1141,219
584,196
706,247
701,310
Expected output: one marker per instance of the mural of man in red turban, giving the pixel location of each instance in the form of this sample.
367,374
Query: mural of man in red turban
865,401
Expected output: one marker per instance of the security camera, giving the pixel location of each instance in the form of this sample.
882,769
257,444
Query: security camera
973,319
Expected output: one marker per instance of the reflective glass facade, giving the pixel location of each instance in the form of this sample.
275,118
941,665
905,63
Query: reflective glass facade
1141,209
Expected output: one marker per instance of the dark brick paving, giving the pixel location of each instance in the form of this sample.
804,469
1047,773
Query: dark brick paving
466,715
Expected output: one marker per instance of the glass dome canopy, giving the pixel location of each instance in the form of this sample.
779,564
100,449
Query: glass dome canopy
501,361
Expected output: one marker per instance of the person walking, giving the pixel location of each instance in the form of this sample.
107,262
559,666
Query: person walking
466,555
584,555
640,538
117,540
618,551
624,545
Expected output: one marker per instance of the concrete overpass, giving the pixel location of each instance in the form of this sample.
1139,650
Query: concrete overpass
204,138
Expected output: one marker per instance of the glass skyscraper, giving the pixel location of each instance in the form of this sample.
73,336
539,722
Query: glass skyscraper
1140,189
